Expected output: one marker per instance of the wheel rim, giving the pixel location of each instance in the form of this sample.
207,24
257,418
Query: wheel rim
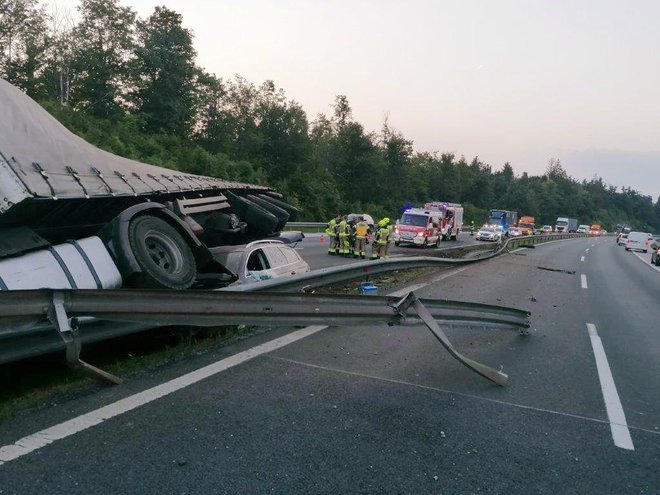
163,251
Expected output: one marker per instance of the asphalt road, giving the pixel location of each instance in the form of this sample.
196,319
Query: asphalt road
386,409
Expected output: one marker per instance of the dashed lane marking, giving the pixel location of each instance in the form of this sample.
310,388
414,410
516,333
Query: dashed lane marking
582,258
583,280
615,414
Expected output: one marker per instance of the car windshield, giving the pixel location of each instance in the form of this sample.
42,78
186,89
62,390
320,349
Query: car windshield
414,220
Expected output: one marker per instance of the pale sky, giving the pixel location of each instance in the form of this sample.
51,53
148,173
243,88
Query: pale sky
518,81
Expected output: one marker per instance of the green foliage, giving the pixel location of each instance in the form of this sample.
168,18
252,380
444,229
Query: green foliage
132,87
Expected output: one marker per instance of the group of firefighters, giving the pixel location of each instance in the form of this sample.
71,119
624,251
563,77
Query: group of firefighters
351,238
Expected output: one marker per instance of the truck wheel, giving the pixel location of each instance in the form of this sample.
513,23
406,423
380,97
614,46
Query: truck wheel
164,256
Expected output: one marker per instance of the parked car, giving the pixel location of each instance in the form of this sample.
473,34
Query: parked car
515,231
367,218
621,239
260,260
489,233
638,241
547,229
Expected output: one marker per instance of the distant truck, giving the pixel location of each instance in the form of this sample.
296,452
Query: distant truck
565,224
526,225
503,218
103,221
595,229
432,224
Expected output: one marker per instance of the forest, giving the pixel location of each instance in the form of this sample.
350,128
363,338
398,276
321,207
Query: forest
132,86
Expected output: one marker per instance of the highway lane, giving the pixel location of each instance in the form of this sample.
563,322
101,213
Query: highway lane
385,410
624,303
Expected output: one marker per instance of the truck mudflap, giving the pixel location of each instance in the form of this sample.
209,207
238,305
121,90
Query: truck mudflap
211,308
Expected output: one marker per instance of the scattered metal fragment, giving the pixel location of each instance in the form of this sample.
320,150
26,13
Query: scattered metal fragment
560,270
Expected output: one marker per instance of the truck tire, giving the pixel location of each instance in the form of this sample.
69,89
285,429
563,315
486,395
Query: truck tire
164,256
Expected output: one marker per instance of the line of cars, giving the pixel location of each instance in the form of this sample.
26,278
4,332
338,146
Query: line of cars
640,241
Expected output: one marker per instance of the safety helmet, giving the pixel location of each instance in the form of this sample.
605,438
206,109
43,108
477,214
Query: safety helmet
384,222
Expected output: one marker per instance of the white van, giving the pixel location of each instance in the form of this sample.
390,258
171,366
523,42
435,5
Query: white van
638,241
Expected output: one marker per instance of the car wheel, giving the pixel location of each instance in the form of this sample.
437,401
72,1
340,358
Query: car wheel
397,243
426,243
161,252
627,249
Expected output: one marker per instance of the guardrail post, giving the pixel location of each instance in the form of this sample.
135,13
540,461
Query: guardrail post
67,328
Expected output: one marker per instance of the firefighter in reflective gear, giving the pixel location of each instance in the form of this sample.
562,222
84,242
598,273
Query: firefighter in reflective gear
380,241
361,232
472,228
387,223
343,231
333,233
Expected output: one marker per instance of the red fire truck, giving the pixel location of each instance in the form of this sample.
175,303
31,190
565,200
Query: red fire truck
432,224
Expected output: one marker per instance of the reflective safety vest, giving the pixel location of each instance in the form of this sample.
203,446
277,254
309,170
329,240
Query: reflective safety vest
382,235
361,229
344,228
332,227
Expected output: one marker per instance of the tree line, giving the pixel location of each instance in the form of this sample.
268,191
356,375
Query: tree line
132,86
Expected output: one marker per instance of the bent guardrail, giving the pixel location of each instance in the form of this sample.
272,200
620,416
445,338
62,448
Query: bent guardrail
64,308
22,337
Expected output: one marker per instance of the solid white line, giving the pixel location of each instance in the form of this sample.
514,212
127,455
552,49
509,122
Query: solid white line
583,279
453,392
656,268
582,259
60,431
618,424
42,438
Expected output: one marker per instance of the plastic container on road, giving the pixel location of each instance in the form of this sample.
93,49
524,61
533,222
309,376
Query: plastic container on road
368,289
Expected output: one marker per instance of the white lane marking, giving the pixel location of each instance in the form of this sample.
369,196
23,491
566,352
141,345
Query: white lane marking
60,431
582,258
586,250
592,245
42,438
618,424
453,392
583,279
647,263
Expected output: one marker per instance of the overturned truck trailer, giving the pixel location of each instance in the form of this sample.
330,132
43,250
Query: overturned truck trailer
156,226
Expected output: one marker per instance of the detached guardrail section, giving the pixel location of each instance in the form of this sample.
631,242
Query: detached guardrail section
23,311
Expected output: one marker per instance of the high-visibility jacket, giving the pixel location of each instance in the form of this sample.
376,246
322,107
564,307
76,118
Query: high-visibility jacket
332,228
382,235
361,229
344,228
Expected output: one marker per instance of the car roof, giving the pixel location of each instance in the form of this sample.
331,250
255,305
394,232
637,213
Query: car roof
241,247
